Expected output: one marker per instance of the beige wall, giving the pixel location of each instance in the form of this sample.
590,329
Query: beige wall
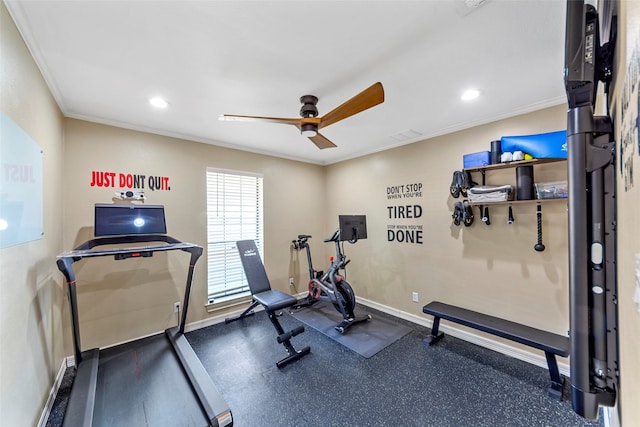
31,293
493,269
480,267
628,229
125,300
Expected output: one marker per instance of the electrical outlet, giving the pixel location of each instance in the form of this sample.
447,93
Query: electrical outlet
176,307
414,296
291,281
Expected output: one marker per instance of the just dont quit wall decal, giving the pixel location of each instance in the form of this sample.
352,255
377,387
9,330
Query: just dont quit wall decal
129,181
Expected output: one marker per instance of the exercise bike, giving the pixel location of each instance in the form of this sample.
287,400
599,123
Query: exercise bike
330,285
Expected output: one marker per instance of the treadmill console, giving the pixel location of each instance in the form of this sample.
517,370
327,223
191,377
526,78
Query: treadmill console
127,220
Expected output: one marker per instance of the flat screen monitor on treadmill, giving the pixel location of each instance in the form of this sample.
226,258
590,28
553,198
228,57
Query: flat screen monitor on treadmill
352,227
123,220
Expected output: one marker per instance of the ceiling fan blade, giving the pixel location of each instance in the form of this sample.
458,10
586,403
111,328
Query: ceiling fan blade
286,121
366,99
322,142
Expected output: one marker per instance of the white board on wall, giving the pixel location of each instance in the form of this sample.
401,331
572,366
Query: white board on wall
20,185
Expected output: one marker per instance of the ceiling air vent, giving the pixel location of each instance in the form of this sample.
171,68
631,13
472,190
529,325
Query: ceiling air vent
405,135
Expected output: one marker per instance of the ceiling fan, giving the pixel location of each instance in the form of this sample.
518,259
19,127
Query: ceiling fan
309,123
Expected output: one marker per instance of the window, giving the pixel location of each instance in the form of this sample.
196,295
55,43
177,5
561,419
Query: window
234,212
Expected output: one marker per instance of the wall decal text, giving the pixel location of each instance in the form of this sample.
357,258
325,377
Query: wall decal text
404,229
127,180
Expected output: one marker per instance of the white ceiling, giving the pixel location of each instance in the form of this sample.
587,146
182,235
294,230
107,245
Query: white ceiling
103,60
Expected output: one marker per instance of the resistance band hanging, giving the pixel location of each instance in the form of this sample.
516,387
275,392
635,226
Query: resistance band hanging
539,246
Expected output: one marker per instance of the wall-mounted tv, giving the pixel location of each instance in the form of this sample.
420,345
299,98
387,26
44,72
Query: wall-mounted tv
123,220
352,227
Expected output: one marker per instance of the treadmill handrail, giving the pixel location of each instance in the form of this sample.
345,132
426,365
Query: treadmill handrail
211,402
66,259
120,240
78,254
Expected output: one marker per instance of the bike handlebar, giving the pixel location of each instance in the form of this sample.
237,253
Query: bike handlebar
335,237
338,263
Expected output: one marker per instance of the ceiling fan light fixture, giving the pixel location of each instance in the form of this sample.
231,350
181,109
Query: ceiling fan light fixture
309,130
309,123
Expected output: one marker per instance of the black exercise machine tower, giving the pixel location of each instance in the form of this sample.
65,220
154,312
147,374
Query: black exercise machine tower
157,380
592,214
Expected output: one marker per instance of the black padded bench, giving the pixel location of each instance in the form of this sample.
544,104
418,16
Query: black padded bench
272,300
552,344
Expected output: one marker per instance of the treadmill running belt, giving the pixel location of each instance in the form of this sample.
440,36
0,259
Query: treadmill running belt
152,389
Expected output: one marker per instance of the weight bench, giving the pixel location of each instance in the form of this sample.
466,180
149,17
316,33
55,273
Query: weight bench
552,344
271,300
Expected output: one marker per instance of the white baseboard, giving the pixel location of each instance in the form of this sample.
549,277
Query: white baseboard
466,335
481,340
44,416
214,320
611,416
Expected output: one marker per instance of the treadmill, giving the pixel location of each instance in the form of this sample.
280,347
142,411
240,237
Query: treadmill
156,380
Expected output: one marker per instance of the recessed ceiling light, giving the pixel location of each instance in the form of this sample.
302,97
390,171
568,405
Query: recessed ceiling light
158,102
470,94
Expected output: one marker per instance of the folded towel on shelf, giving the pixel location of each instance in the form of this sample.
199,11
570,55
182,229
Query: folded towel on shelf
490,193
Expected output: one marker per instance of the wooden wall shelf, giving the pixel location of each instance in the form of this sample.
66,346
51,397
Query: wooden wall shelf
517,202
515,164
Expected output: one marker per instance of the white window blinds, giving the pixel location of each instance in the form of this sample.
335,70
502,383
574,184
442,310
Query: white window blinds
234,212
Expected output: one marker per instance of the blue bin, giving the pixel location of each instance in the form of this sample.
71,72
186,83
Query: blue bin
473,160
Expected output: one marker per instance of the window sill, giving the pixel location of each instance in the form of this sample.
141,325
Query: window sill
228,302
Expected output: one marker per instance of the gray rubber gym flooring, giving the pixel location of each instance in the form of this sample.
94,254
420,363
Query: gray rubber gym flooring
368,337
453,383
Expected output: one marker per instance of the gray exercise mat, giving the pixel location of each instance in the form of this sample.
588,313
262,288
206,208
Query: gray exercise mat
365,338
